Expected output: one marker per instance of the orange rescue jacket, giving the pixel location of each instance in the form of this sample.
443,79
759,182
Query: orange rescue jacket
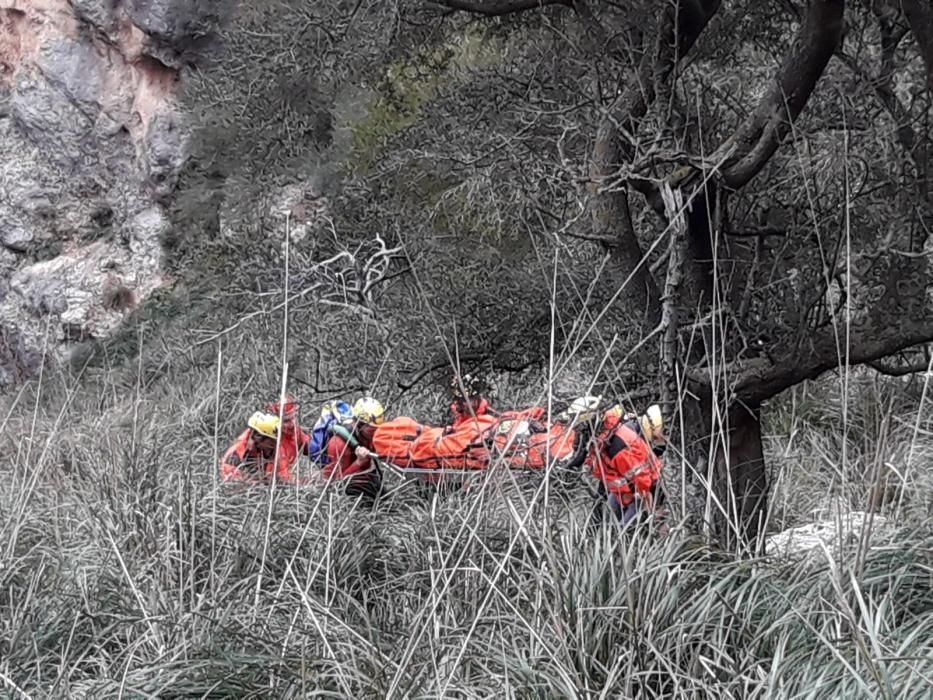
624,462
244,462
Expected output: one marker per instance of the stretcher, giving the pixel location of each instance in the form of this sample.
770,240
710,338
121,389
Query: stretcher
519,440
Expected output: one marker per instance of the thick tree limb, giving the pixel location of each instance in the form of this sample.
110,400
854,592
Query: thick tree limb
497,8
903,368
920,18
876,337
761,134
612,222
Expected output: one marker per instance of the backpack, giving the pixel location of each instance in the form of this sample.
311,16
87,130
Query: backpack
333,413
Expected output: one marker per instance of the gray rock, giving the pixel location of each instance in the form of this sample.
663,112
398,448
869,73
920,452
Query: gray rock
48,118
177,21
92,147
165,150
148,226
76,69
13,233
41,296
179,29
38,204
18,361
99,13
8,261
818,538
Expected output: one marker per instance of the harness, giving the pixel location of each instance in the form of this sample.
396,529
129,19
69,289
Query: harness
342,432
629,437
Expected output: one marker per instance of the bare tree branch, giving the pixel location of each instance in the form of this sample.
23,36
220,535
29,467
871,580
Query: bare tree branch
884,91
757,232
682,24
497,8
607,241
469,359
914,143
892,32
761,134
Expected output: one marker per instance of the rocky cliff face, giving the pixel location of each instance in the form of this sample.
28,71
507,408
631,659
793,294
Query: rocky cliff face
92,145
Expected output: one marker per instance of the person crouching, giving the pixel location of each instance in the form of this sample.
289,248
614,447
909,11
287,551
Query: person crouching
626,461
252,457
350,452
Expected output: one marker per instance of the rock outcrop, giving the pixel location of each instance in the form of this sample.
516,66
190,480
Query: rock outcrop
92,146
845,529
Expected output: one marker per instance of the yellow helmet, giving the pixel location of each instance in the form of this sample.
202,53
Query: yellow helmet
264,423
652,424
368,410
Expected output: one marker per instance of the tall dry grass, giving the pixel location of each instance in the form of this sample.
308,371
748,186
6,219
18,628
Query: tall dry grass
127,570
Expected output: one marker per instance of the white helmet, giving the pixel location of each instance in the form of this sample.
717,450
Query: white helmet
652,424
581,409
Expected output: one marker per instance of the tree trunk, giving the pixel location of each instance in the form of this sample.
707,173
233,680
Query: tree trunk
724,423
739,476
680,25
726,432
612,224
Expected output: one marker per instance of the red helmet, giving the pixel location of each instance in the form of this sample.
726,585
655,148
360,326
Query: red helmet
289,407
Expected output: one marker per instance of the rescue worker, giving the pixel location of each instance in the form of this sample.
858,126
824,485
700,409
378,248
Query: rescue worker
333,412
252,457
353,459
625,459
294,440
468,400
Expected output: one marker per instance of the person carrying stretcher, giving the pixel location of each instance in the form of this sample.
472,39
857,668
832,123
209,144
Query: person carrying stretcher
257,455
625,459
350,451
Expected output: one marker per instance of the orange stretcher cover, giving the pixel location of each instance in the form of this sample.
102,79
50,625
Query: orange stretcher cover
519,438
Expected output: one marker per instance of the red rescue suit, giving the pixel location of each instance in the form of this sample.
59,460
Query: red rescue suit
343,462
354,464
246,460
624,462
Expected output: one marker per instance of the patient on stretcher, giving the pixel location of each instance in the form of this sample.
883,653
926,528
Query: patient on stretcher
519,438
